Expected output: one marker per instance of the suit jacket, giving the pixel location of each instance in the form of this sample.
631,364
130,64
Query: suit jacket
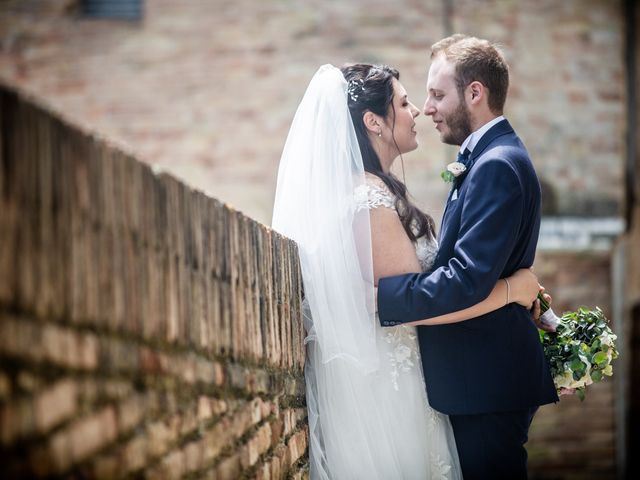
495,362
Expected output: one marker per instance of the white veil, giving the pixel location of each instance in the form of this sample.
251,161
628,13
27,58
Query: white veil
315,205
356,430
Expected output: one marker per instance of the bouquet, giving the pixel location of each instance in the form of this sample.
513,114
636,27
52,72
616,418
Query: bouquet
581,349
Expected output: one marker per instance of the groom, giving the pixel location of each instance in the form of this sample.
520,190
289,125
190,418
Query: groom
488,374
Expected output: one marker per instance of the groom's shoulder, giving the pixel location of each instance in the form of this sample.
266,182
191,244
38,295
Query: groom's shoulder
505,156
504,152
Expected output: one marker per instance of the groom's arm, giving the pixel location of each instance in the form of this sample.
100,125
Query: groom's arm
490,220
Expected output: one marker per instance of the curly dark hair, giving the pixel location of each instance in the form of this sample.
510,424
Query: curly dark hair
375,94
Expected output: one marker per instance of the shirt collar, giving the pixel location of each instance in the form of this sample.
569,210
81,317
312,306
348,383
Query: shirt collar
472,140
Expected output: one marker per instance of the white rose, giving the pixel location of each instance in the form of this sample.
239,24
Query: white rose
456,168
566,380
606,339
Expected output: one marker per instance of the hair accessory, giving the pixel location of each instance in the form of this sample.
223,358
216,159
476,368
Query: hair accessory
355,88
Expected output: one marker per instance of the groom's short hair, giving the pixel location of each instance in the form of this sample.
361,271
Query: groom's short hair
479,60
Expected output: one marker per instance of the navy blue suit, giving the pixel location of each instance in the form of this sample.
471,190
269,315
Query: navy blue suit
493,363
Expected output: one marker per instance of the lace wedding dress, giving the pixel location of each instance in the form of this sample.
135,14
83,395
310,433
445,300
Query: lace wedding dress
432,452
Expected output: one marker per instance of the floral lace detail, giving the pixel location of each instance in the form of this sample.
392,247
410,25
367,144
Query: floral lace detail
426,251
438,468
371,195
404,354
434,418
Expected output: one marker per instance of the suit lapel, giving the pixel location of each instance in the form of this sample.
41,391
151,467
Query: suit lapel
499,129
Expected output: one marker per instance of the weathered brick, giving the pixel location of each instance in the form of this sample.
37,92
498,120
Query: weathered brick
134,455
160,436
297,445
59,446
193,456
258,444
90,434
229,468
57,403
204,411
188,420
218,406
130,413
173,465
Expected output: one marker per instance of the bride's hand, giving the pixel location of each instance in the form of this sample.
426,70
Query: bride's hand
524,287
536,312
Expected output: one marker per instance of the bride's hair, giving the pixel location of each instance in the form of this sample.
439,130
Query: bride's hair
373,92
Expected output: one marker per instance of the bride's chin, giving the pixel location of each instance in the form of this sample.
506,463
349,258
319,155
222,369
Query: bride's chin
413,147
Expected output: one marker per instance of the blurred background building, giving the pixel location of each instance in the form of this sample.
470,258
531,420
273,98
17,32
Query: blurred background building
206,90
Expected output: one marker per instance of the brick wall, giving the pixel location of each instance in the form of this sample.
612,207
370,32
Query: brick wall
146,330
207,90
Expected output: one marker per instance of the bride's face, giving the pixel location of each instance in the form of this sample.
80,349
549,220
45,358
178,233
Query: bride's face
404,132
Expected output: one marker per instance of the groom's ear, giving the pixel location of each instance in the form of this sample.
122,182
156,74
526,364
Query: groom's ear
372,122
476,93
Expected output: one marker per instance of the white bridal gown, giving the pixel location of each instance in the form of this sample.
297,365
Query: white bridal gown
411,440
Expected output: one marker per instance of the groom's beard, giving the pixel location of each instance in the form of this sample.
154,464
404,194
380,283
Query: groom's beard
459,123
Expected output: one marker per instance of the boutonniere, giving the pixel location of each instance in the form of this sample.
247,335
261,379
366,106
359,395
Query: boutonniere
453,170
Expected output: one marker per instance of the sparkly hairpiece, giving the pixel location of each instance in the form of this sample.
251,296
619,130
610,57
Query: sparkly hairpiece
355,88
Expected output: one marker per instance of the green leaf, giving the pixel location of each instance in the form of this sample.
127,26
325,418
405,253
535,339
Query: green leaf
447,176
580,393
601,358
596,375
576,364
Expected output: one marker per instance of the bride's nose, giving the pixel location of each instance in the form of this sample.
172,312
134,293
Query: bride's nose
414,111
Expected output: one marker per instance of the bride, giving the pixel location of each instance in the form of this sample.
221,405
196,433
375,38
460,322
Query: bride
369,416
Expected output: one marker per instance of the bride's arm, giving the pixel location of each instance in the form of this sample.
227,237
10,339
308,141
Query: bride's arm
394,254
522,288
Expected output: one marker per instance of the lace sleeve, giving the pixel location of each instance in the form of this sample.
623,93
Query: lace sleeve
372,195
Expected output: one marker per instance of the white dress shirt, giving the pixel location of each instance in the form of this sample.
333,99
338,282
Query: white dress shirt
472,140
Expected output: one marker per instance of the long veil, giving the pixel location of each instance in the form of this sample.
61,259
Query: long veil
315,205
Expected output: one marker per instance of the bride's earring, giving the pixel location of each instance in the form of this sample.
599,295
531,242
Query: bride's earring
380,133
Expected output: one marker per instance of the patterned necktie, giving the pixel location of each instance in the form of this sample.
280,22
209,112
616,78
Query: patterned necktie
463,157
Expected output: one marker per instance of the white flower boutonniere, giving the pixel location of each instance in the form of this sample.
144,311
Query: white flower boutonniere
453,170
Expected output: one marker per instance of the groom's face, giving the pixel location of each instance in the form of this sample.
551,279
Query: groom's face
444,104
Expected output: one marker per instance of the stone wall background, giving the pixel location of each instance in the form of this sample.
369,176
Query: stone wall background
207,89
146,330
